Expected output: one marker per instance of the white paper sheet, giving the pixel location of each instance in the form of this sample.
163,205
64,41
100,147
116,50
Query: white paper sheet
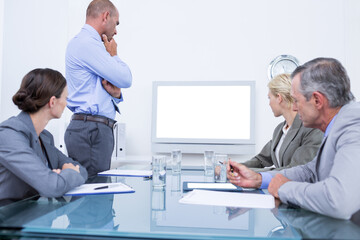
105,188
229,199
212,185
129,173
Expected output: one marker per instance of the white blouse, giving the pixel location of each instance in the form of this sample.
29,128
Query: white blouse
277,149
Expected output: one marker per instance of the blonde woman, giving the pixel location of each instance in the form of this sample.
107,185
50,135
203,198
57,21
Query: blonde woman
292,144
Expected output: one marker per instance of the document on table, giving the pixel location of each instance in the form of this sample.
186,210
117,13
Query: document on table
100,188
229,199
127,173
212,185
188,186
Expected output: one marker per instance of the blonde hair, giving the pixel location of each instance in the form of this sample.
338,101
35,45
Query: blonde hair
281,84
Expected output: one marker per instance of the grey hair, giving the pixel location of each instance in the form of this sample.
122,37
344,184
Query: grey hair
327,76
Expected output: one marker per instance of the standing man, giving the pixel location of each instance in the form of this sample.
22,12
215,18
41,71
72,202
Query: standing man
327,184
95,75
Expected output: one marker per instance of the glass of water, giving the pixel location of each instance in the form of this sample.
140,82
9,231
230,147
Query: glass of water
176,157
209,162
159,171
220,168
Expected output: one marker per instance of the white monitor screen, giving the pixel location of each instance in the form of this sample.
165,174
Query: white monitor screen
203,112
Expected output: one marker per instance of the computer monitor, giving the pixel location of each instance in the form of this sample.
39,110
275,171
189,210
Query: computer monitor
195,116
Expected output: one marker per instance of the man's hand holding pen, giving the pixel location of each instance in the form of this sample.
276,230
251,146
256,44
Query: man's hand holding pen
240,175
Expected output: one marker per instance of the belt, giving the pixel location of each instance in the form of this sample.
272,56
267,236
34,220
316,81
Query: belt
91,118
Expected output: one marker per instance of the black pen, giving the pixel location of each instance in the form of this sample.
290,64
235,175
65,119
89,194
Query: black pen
102,187
231,168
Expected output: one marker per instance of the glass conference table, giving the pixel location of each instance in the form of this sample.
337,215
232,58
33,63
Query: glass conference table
157,214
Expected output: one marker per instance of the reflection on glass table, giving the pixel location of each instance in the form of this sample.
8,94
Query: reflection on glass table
313,226
157,213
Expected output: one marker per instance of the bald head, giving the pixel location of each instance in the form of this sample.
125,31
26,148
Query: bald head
97,7
103,16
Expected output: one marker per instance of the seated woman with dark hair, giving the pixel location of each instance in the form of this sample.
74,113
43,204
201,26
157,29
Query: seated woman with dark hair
29,162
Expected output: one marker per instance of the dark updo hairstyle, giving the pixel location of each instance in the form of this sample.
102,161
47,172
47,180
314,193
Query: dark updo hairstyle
37,87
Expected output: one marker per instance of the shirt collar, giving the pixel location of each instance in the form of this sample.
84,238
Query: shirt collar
92,31
328,128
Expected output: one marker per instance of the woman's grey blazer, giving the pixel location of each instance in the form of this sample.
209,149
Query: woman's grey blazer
300,146
23,171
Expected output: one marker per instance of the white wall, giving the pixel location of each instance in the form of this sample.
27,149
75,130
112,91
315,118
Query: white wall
183,40
35,36
351,42
1,39
226,40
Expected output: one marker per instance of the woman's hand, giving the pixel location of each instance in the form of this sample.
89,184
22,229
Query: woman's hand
71,166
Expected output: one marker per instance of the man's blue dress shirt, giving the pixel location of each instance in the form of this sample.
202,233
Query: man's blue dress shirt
266,177
87,63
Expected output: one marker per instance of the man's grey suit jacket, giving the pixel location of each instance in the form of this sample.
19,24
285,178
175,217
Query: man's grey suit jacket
329,183
300,146
23,171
